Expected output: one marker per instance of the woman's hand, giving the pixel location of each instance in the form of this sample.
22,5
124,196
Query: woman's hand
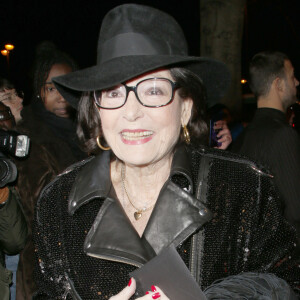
224,134
128,291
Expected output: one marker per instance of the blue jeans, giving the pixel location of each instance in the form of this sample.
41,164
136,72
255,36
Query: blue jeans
12,264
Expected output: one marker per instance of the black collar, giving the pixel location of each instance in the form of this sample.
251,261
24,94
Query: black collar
176,215
94,181
267,113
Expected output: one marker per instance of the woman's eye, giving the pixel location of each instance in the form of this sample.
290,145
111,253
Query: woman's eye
154,92
51,89
113,94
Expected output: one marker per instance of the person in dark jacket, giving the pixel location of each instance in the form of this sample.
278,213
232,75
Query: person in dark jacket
16,234
269,139
49,121
151,187
13,234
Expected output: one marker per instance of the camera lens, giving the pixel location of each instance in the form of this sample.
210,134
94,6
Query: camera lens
8,171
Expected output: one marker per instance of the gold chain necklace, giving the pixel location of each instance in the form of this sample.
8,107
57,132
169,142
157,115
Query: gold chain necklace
139,212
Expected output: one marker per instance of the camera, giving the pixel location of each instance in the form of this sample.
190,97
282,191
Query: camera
213,139
16,145
13,143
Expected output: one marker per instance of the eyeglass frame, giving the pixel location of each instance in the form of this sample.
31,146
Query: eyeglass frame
174,86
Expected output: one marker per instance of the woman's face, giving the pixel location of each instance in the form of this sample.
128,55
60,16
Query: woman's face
52,99
141,135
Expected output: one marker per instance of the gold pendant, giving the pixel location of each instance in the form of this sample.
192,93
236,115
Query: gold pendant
137,215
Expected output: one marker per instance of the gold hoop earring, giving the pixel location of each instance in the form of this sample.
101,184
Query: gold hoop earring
100,146
186,134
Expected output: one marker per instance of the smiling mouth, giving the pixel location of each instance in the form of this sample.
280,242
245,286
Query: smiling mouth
137,135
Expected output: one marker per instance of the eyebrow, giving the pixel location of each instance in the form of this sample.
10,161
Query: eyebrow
49,82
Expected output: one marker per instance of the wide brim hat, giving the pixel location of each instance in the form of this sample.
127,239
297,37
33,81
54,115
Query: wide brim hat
135,39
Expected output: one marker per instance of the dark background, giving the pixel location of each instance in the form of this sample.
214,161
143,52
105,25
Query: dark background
74,25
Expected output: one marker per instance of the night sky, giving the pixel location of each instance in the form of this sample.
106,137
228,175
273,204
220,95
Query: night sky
74,26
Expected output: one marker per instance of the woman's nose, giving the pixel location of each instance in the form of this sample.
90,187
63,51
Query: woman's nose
60,98
132,108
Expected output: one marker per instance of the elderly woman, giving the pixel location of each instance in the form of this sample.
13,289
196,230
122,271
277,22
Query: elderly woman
148,188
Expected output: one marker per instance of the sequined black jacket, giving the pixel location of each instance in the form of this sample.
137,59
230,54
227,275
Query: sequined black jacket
86,246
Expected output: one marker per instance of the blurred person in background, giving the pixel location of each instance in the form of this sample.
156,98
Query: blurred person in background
49,121
13,234
10,109
11,98
269,139
13,227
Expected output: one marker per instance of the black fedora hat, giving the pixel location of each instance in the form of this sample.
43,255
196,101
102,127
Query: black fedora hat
135,39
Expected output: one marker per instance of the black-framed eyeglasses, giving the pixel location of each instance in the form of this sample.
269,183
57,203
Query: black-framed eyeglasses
150,92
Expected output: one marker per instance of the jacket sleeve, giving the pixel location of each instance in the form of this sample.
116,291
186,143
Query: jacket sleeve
13,226
248,223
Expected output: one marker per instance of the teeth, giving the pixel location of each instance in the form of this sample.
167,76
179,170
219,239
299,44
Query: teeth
136,135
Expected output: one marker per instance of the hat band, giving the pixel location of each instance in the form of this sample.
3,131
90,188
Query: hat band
131,43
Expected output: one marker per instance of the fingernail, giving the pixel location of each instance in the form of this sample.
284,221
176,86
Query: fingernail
153,288
156,295
147,293
130,282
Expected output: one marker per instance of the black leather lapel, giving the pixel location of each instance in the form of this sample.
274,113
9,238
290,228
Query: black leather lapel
91,182
177,214
181,165
113,237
